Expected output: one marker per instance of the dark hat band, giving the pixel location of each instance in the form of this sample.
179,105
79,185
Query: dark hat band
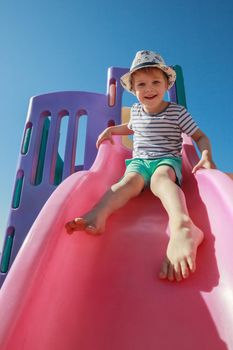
141,65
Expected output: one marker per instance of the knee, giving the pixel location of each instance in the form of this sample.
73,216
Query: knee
133,183
161,176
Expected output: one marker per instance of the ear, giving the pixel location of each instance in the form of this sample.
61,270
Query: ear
132,89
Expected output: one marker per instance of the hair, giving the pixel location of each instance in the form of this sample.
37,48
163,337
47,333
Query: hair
146,70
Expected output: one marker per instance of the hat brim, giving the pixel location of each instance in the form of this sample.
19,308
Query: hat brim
126,78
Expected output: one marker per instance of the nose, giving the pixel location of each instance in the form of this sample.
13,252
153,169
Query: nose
149,87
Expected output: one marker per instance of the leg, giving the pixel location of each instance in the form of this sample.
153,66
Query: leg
185,236
94,221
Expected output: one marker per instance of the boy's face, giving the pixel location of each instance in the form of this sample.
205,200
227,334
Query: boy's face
149,87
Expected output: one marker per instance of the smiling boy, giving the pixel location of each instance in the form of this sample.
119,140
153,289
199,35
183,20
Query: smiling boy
157,126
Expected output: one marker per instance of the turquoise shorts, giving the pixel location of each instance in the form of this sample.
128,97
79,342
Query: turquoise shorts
147,167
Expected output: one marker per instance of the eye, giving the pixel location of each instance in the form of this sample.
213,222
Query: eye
156,82
141,84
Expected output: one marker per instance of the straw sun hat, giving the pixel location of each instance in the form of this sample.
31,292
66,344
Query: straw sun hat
145,59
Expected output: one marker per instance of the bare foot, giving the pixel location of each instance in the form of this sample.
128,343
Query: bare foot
90,223
181,253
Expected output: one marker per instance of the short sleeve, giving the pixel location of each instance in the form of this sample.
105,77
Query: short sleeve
132,112
186,123
130,126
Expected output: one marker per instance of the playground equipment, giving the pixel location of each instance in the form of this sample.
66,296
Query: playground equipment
40,168
80,291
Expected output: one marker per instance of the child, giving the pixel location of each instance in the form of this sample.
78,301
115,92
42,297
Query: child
157,126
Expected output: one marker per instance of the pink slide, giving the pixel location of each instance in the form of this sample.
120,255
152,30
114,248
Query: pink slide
69,292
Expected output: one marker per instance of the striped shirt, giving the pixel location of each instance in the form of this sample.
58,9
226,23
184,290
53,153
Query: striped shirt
160,135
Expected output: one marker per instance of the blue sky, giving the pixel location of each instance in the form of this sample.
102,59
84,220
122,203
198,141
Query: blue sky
50,45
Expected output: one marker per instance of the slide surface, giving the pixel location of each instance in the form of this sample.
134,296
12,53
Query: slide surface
101,293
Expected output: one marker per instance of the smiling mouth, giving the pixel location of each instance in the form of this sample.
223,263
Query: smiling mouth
150,97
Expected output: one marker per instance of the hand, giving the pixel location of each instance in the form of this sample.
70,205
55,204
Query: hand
105,135
204,163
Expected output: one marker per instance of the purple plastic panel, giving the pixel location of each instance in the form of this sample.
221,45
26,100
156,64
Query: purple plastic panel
101,110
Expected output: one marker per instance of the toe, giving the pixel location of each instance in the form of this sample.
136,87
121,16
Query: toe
177,272
191,263
91,230
69,230
70,227
184,269
171,273
164,269
79,224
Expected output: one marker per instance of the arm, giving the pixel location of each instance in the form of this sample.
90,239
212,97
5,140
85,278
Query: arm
204,146
121,129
